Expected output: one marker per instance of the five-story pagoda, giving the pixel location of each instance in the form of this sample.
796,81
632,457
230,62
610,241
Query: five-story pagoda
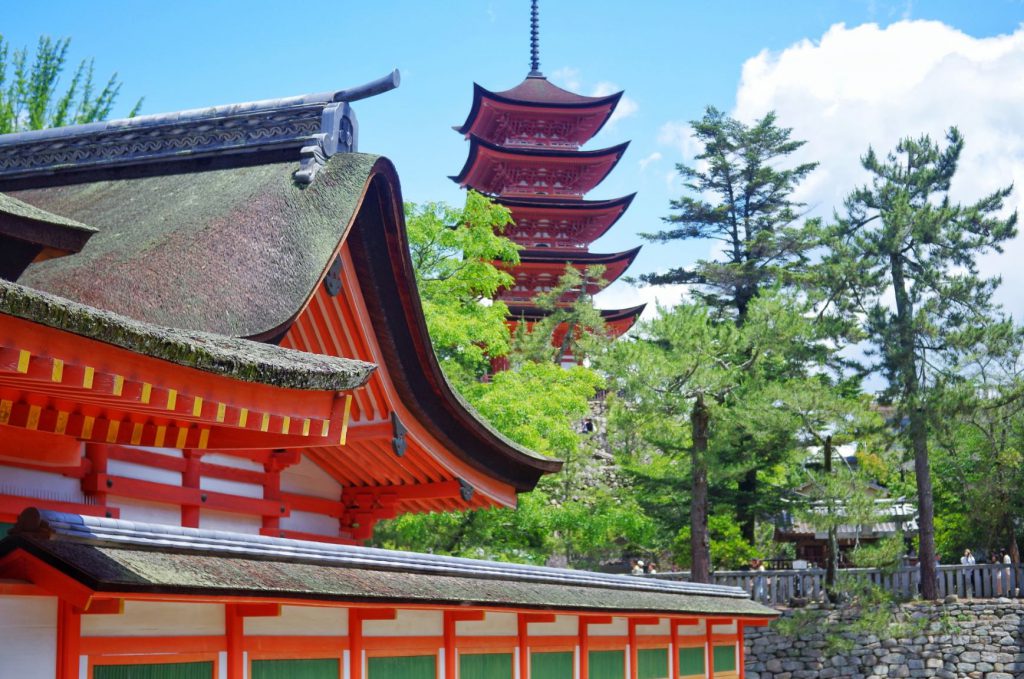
525,152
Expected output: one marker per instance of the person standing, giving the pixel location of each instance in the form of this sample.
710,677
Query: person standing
967,560
1008,573
638,567
758,567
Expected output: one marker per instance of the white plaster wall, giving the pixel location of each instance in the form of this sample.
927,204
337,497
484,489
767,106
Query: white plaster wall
146,512
692,630
494,624
229,521
22,481
157,618
169,452
306,478
143,473
407,623
28,637
562,626
617,627
233,461
661,628
308,522
301,621
724,629
231,487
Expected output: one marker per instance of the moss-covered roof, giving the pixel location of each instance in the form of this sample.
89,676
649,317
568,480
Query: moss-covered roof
120,556
16,208
236,358
233,251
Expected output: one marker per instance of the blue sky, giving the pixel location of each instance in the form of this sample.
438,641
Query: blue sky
671,58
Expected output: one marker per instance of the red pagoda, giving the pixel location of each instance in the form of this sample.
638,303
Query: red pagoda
525,151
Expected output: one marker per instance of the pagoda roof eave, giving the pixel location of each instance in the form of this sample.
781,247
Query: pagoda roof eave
480,146
532,313
508,97
551,207
546,255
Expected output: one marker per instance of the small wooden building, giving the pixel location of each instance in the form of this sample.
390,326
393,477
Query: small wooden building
215,378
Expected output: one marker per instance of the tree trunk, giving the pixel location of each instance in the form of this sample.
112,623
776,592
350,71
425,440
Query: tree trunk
745,503
906,365
700,544
832,556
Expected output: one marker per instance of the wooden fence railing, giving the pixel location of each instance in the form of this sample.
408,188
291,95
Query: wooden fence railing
779,587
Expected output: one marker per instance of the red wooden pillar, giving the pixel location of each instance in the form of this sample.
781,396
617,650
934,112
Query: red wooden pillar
673,648
634,656
234,632
585,622
450,618
356,616
69,635
523,647
709,657
741,651
98,457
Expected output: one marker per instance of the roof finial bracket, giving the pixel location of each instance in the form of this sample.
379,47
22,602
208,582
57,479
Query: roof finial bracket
534,41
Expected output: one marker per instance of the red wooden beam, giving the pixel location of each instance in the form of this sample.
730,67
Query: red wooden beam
104,607
183,497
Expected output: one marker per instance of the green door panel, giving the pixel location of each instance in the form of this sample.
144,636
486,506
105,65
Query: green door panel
725,658
607,665
179,670
551,665
485,666
691,661
652,663
406,667
319,668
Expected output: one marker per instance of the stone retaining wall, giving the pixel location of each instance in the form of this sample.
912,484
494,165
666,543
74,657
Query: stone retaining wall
976,639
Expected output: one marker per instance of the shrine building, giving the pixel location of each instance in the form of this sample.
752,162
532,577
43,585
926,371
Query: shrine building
525,152
215,378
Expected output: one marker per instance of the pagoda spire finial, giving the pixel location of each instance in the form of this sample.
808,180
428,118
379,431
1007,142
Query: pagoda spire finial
534,42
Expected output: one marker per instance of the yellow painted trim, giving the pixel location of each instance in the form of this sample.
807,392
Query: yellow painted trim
325,429
204,438
286,424
243,417
33,417
305,427
265,422
197,406
158,439
344,419
172,398
112,430
118,384
221,412
23,358
182,437
88,376
5,411
57,374
87,424
136,434
62,422
147,392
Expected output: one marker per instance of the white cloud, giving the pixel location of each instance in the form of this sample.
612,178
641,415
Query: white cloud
679,135
867,85
622,295
567,77
644,162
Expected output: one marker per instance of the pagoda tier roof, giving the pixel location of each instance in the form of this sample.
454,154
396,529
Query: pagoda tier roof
92,557
617,321
539,270
567,223
520,172
538,99
247,246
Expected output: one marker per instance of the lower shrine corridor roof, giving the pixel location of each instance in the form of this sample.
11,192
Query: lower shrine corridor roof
108,555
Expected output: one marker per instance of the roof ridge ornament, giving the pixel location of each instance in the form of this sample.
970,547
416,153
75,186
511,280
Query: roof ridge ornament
534,41
313,127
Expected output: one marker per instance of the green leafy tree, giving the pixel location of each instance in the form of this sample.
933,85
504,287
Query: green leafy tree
740,197
30,96
690,381
728,549
453,254
903,238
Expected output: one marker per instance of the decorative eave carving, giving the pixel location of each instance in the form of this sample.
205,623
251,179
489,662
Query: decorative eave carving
314,126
